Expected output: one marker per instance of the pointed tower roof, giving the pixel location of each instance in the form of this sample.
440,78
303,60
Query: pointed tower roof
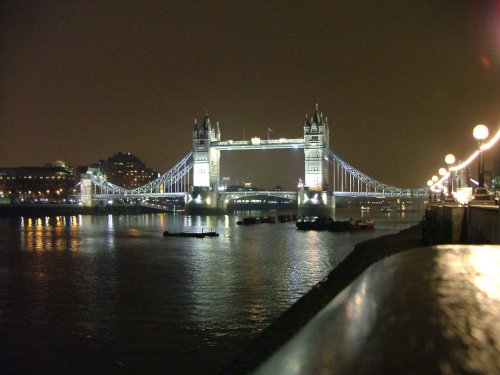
317,118
307,122
206,121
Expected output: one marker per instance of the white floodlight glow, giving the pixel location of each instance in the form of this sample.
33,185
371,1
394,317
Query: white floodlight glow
465,163
483,147
491,142
480,132
449,159
463,195
255,140
438,185
436,188
434,178
429,183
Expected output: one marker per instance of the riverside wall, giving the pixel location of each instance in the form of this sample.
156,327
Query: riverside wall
455,224
299,314
441,225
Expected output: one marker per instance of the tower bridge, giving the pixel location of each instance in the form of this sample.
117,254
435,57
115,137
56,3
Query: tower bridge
196,177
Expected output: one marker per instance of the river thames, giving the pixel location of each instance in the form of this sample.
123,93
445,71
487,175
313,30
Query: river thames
110,294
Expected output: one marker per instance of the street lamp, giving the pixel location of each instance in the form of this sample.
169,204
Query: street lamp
450,160
480,133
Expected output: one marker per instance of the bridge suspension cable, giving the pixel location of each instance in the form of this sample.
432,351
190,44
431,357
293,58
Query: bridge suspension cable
348,180
175,181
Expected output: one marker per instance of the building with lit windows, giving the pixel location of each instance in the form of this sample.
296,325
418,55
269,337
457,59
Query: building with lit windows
126,170
26,184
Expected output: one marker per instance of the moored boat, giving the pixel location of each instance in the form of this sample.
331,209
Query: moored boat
322,223
286,218
201,234
361,224
257,220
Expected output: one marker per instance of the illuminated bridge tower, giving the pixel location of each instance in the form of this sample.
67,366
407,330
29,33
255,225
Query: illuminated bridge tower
206,158
315,195
206,166
316,138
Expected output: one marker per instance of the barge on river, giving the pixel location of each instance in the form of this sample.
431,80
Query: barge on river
201,234
327,223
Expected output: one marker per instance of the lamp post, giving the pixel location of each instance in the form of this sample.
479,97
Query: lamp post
442,172
480,133
450,160
434,180
429,184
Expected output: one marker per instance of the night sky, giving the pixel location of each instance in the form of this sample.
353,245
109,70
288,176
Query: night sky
402,82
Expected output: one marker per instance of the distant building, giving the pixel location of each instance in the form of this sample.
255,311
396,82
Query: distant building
51,182
126,170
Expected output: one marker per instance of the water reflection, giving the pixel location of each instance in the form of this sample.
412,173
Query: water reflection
50,233
116,281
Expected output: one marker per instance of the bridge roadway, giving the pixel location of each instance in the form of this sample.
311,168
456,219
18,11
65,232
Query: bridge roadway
223,194
280,194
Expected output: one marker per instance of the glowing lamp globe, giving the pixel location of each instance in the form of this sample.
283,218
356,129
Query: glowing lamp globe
434,178
449,159
442,171
480,132
429,183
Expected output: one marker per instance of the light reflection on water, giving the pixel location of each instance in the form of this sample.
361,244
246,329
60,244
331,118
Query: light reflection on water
116,290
